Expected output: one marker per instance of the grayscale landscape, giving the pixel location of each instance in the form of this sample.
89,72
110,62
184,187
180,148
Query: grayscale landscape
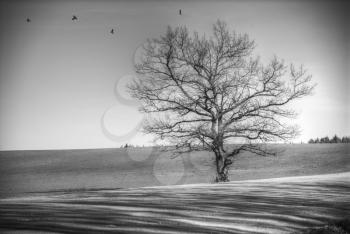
198,116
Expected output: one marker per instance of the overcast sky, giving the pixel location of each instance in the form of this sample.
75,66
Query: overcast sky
58,76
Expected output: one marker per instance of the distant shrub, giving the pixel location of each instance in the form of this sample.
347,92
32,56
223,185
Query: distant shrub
345,139
336,139
326,139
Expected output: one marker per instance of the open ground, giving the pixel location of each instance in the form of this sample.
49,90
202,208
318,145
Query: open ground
43,171
81,191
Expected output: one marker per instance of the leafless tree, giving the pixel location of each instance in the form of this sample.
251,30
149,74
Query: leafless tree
206,91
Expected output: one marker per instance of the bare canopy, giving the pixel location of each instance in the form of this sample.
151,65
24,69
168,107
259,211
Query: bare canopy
208,91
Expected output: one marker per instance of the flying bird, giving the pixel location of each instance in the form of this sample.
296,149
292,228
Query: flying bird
112,31
28,20
180,13
74,17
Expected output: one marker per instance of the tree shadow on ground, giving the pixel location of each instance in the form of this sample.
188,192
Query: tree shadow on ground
249,207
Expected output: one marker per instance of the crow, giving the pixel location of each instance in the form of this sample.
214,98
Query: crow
180,13
112,31
28,20
74,17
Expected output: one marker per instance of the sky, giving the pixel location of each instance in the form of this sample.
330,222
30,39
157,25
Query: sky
62,82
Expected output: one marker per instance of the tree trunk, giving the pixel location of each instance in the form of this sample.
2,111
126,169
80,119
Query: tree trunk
221,168
220,155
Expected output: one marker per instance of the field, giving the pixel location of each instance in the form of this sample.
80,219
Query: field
43,171
98,191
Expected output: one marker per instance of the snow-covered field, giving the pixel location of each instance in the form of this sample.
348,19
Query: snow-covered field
283,205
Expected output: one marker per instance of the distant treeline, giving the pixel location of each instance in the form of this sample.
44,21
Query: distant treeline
326,139
132,146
